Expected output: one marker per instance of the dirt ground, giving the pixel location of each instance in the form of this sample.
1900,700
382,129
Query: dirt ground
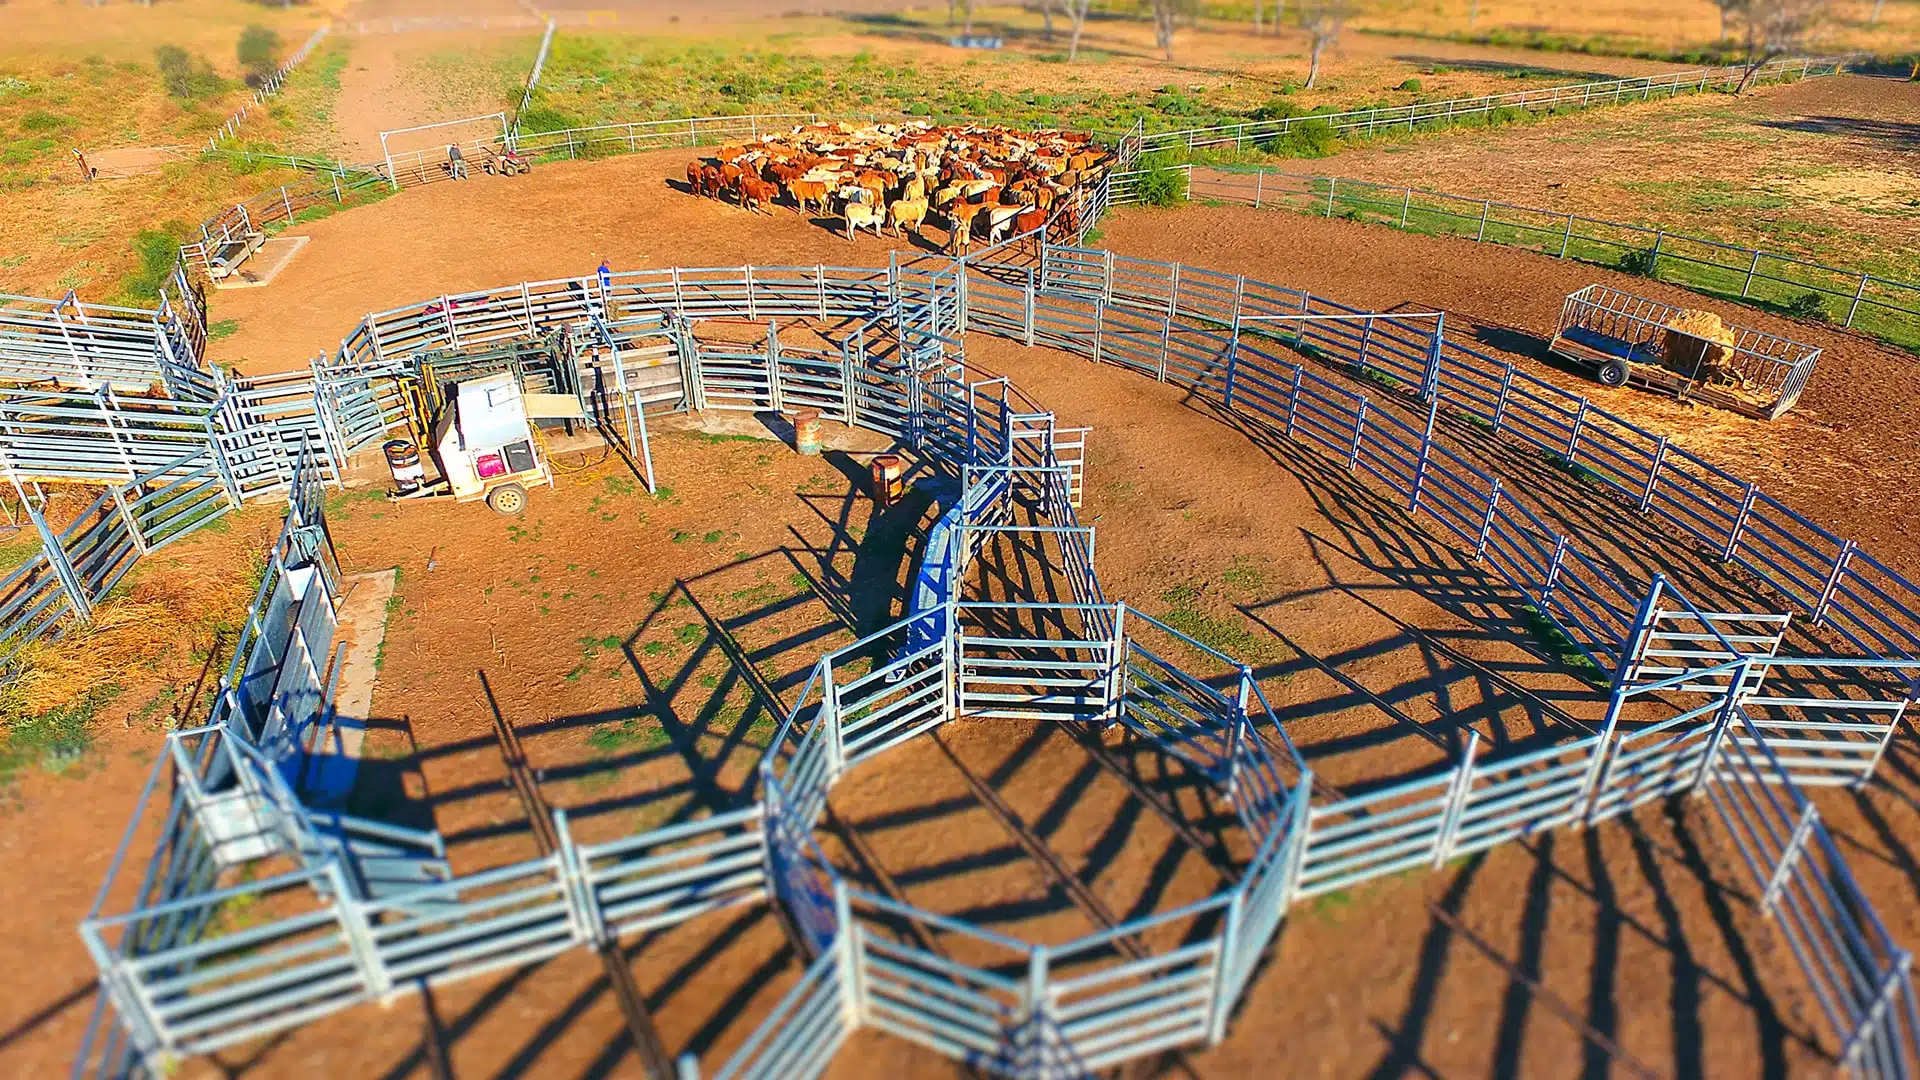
1843,457
1816,458
1822,169
592,646
589,632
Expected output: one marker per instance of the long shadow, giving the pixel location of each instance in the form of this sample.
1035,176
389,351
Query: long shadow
1517,1001
1887,134
1770,1029
1404,1038
1509,67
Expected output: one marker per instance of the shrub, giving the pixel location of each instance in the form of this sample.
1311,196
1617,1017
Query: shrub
1640,262
157,250
539,118
1412,85
1807,305
258,52
1161,184
41,120
1277,109
185,77
1309,139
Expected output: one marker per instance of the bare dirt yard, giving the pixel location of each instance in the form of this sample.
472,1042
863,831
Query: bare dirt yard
604,649
1822,169
592,647
1842,457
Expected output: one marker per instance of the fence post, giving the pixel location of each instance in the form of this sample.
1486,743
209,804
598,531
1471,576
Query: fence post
1567,240
1740,521
287,203
1029,1054
126,516
359,934
1833,582
1233,339
1653,257
1783,870
1116,675
1722,720
336,189
1500,407
1457,792
830,715
1230,946
1166,334
1426,451
57,559
1553,572
1573,437
1359,422
220,463
1299,831
1259,179
1752,269
1028,300
1486,523
1653,475
1486,207
1430,381
1855,306
1331,181
1293,399
581,907
853,981
1891,985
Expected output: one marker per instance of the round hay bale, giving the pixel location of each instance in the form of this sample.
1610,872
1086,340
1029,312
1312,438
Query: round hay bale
1698,340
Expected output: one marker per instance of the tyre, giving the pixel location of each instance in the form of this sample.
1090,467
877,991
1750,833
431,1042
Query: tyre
1613,373
509,499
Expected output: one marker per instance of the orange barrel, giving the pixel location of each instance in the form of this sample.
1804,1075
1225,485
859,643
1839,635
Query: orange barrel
889,474
806,431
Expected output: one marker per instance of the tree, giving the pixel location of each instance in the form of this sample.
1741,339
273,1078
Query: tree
259,53
185,77
1165,14
1046,13
1078,15
1776,28
1730,9
1323,20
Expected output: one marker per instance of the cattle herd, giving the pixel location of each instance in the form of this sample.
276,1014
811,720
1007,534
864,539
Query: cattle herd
992,182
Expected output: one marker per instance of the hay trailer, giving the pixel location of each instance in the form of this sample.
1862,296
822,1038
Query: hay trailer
1626,339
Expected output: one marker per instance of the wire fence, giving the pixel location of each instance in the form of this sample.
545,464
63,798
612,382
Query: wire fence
533,78
1433,115
1857,299
268,87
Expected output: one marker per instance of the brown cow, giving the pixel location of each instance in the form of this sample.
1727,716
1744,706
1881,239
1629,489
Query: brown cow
693,176
756,194
809,194
710,182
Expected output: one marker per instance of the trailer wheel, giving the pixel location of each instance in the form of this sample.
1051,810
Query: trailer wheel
1613,373
508,499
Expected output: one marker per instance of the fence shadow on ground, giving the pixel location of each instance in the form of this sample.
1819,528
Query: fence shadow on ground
1882,134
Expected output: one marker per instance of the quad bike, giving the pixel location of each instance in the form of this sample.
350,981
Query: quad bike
504,163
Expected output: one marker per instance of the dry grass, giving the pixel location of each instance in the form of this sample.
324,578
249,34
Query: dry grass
1658,24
